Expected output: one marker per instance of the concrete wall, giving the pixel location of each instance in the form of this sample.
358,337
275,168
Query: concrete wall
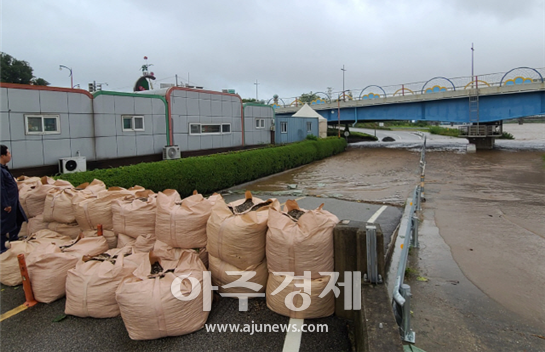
190,106
257,135
296,129
75,111
112,141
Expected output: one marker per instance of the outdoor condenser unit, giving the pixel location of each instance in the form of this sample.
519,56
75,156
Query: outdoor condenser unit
72,164
171,152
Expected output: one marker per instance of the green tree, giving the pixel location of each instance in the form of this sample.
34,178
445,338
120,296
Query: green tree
17,71
308,97
40,82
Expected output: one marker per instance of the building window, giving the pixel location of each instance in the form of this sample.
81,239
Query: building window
198,128
283,127
42,124
259,123
309,127
133,123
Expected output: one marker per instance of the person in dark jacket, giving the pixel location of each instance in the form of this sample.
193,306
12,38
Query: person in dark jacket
12,212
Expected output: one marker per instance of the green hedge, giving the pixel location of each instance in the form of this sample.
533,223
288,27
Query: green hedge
211,173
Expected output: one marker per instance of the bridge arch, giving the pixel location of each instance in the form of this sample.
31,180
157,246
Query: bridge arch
276,105
520,79
436,88
320,100
371,95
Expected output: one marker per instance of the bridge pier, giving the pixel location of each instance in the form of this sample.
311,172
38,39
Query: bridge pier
482,143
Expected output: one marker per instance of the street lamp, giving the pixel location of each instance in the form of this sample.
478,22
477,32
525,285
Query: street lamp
71,77
342,69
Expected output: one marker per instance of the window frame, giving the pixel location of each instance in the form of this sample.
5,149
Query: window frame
283,127
309,126
43,117
200,133
133,124
259,123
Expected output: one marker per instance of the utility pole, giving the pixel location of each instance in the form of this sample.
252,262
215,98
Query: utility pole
256,84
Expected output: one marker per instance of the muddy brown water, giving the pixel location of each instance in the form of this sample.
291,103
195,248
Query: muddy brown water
488,209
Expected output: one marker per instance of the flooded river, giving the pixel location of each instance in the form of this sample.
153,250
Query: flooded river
488,207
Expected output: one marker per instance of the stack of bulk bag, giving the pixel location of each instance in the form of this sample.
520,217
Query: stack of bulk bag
59,204
144,243
182,223
9,265
33,199
135,215
110,236
96,210
299,241
236,241
147,304
91,285
48,265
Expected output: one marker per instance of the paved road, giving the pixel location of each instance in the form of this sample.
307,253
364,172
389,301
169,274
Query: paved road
34,329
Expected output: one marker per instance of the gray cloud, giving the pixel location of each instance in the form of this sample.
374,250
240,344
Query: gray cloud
289,47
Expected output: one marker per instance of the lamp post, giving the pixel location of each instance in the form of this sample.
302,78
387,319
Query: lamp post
342,69
256,96
71,77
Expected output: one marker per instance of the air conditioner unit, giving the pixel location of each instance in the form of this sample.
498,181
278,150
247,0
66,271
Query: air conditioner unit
72,164
171,152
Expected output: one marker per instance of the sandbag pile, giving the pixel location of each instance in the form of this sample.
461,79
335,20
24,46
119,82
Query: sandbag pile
91,285
134,215
297,241
48,265
148,306
32,195
236,241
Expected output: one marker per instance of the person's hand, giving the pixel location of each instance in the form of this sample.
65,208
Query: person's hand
7,209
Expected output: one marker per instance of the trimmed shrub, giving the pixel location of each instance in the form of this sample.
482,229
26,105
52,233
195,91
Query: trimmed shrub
211,173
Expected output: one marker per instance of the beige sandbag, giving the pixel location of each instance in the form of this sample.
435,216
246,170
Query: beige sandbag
164,251
220,277
26,180
124,240
91,285
35,199
144,243
24,190
71,230
97,210
48,265
237,236
134,216
151,311
23,232
318,308
181,223
90,246
300,240
47,268
9,266
110,236
58,205
36,224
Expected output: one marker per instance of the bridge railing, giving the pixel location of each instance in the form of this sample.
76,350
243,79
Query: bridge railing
519,75
408,228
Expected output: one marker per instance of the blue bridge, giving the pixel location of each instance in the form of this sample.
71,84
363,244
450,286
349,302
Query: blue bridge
485,99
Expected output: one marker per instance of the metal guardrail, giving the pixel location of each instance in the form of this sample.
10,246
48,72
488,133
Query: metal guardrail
409,228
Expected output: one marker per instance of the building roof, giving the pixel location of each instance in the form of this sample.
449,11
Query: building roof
307,111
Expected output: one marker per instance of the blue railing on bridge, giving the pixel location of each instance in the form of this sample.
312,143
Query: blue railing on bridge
519,75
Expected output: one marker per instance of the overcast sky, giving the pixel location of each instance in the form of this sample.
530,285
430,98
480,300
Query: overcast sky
290,47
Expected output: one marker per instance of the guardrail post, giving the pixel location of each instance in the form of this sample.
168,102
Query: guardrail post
372,275
407,333
414,239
